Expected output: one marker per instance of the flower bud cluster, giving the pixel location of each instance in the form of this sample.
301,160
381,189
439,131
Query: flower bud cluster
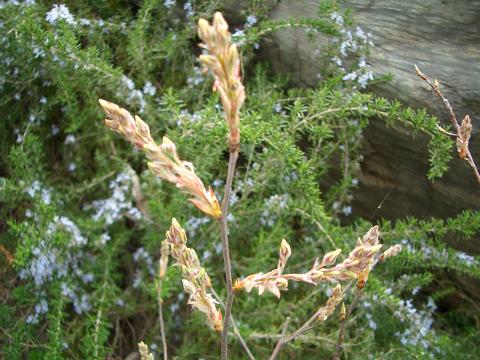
195,279
144,351
163,158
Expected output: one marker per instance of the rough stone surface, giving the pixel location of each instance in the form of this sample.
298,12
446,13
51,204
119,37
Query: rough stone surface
443,38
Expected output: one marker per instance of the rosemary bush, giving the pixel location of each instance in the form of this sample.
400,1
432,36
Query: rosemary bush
83,219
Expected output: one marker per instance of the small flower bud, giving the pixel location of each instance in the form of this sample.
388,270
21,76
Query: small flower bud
330,258
203,29
391,251
219,22
420,74
371,237
343,312
142,127
285,250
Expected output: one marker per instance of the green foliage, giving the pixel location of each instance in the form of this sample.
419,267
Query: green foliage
82,284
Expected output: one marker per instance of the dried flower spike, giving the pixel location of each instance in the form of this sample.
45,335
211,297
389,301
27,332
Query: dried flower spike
195,278
355,266
224,62
163,158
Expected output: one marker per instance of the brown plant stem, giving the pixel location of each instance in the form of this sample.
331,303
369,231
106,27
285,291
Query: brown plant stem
341,334
226,251
235,327
280,342
160,318
453,120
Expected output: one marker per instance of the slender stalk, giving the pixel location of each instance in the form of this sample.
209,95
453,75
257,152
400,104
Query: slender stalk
226,251
235,328
280,342
160,318
341,334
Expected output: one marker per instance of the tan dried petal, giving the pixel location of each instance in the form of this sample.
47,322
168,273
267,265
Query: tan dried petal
343,312
330,258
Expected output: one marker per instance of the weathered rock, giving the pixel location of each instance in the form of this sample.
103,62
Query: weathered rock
443,38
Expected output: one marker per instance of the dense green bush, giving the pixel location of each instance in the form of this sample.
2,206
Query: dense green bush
81,283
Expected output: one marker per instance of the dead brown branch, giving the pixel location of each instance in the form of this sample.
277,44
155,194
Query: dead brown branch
463,130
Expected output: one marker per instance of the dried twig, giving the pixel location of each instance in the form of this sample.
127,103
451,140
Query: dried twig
463,131
162,269
280,342
163,159
235,327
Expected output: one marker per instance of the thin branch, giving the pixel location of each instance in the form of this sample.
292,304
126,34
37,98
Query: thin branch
235,327
341,334
303,338
312,321
280,342
463,130
226,252
160,317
